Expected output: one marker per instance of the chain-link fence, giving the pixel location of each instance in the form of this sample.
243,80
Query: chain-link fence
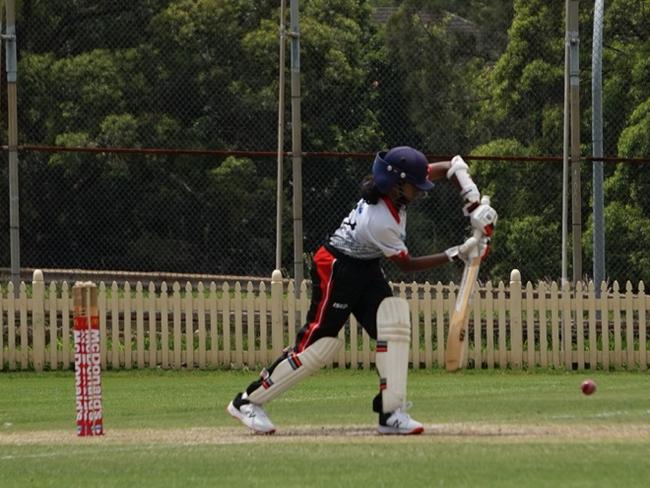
182,97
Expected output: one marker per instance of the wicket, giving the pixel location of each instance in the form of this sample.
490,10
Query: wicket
87,360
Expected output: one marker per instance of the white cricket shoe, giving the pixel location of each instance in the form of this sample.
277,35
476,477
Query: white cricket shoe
251,415
399,423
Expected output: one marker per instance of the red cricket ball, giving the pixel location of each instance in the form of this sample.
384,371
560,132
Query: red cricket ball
588,387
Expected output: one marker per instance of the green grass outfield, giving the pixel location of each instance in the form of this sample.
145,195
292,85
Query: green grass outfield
170,429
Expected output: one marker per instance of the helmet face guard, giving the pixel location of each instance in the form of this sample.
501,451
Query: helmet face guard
401,163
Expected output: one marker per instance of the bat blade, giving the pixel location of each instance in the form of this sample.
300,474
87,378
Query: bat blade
455,353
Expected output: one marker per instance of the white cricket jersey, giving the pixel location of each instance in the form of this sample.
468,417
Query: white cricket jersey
372,231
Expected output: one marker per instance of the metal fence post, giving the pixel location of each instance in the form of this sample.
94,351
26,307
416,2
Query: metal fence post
574,89
296,146
12,138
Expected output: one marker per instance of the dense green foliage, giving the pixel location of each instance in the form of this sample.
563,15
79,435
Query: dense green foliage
480,77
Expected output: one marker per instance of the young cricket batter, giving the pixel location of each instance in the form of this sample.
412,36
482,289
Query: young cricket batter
347,279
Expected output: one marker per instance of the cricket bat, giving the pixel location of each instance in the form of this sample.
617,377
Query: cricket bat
455,354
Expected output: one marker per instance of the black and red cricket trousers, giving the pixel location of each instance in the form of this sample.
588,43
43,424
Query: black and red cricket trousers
342,285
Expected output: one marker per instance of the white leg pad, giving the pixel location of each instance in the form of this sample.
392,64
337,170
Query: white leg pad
294,368
392,352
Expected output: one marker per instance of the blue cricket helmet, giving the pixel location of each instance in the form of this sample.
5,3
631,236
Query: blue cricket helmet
402,163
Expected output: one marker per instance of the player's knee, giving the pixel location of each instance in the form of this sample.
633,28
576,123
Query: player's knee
393,319
293,368
321,351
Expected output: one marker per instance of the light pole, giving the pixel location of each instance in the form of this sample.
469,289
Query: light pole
280,159
597,142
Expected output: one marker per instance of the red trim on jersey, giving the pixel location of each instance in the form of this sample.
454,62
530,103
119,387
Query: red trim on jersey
391,206
401,256
324,266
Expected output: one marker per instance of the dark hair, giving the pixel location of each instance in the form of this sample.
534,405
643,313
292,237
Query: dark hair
369,191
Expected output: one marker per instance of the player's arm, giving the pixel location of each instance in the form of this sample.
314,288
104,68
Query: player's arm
408,263
457,172
482,216
438,171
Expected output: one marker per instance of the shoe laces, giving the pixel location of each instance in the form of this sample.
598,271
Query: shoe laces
405,408
259,411
401,413
249,408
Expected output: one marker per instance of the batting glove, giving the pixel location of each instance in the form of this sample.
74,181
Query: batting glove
466,251
483,218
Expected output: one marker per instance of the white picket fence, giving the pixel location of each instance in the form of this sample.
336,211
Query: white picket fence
234,325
